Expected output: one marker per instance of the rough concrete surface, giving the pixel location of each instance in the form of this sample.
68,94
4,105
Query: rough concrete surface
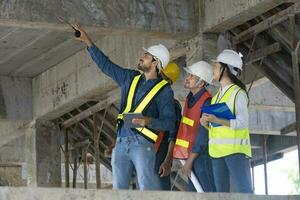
70,194
222,15
11,176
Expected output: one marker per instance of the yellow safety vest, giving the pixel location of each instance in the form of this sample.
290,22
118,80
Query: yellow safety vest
146,132
224,141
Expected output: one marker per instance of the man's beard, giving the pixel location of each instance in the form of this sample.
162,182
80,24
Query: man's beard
143,68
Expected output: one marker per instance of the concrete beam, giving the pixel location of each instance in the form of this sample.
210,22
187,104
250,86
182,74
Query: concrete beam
268,132
263,52
157,18
221,15
273,108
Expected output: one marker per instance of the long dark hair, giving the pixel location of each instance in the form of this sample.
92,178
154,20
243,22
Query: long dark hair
232,77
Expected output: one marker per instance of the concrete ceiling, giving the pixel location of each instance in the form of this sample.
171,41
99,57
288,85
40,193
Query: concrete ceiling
28,52
33,40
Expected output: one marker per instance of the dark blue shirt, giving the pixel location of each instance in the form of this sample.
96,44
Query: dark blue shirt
172,135
161,109
201,142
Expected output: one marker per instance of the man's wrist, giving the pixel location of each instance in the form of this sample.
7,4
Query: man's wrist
89,43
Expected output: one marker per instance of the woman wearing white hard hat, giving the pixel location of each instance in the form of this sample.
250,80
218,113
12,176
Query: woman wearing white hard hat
229,141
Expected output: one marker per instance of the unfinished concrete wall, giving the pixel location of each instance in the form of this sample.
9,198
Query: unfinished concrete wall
12,152
270,109
15,108
78,79
15,98
11,175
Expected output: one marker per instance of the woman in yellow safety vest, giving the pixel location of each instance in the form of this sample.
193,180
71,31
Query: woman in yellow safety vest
229,141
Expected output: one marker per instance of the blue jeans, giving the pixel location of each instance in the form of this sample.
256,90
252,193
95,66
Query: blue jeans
164,182
237,168
134,152
202,168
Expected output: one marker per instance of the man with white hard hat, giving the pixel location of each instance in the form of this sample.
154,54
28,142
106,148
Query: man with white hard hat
192,138
143,93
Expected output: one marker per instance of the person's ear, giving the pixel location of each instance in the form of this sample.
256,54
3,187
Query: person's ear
201,84
155,63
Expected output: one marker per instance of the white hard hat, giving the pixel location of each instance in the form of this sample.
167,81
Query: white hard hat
201,69
161,53
232,59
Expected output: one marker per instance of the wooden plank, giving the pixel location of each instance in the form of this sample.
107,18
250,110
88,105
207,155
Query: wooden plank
85,168
266,24
79,144
112,97
263,52
96,146
66,144
75,159
107,123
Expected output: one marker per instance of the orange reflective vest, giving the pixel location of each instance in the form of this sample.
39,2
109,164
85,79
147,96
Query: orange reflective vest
188,129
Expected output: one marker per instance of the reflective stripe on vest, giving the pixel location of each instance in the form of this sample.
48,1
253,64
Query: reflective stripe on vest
187,121
182,143
130,95
224,141
144,131
148,133
229,141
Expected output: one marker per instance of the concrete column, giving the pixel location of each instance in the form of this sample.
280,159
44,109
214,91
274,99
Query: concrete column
43,160
30,155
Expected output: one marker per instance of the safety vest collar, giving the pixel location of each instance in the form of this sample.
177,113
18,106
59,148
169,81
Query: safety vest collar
217,99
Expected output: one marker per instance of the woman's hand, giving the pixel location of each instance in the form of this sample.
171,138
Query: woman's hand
209,118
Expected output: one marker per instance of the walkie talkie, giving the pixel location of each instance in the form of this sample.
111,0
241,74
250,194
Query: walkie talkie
76,33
